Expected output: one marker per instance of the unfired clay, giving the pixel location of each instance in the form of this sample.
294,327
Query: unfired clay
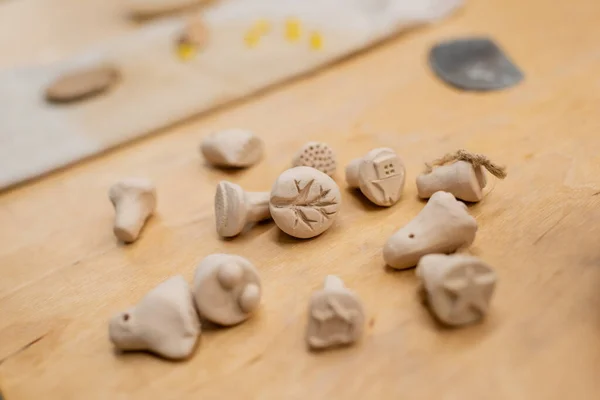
81,84
336,316
379,175
227,289
134,200
195,33
443,226
459,287
235,208
232,148
304,202
316,155
164,322
462,179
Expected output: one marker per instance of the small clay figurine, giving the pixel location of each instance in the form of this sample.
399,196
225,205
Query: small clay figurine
226,288
304,202
442,226
232,148
164,322
134,200
459,287
235,208
379,175
316,155
459,173
336,316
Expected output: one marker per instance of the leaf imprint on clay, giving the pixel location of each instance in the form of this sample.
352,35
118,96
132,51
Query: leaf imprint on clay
301,201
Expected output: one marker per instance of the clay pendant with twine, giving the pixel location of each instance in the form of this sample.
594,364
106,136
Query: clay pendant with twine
476,160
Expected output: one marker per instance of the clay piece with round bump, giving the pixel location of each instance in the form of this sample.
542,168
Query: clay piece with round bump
304,202
134,200
235,208
316,155
164,322
232,148
380,176
82,84
443,226
227,289
336,316
458,287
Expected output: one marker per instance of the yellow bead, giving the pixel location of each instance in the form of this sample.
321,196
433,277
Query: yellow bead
316,41
293,29
251,38
186,51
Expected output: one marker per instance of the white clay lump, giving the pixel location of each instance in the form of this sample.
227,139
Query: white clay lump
304,202
164,322
443,226
336,316
227,289
461,173
235,208
134,200
458,287
232,148
316,155
379,175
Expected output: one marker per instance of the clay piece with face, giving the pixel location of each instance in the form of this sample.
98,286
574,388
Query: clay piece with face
316,155
443,226
227,289
236,208
164,322
304,202
379,175
336,316
458,287
232,148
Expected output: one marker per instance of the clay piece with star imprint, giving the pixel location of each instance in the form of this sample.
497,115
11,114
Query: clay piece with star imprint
458,287
380,176
304,202
336,316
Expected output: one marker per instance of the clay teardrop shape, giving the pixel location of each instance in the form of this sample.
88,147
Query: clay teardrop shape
164,322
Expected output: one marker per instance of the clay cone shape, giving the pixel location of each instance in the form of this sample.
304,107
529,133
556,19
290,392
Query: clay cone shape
443,226
461,178
164,322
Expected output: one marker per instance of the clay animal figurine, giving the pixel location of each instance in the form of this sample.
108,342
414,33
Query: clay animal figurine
304,202
232,148
82,84
134,200
442,226
227,289
164,322
316,155
235,208
458,287
336,316
461,173
379,175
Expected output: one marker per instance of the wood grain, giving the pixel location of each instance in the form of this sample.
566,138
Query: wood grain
62,273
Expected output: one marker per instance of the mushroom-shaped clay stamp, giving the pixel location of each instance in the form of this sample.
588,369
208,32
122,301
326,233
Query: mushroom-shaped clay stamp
336,316
379,175
442,226
232,148
461,173
134,200
235,208
316,155
227,289
458,287
304,202
164,322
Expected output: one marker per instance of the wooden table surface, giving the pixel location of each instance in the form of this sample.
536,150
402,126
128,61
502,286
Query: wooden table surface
63,274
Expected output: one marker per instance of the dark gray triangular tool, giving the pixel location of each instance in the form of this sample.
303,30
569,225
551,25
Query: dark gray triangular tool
474,64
